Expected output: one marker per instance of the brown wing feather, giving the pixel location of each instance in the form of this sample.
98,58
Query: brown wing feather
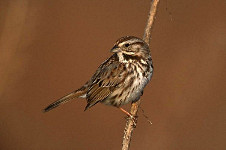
104,82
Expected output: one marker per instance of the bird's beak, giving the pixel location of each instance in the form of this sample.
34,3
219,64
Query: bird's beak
115,49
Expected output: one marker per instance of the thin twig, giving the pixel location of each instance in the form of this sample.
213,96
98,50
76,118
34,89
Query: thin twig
151,17
145,116
134,108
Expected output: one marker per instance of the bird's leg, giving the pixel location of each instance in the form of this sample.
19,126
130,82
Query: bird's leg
128,114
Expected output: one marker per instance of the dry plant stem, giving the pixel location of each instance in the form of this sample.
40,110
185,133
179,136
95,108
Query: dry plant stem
134,108
151,18
130,126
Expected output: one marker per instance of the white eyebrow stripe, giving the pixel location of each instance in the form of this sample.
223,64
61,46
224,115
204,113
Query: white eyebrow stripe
130,41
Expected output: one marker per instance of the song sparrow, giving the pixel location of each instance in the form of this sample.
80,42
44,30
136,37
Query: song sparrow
118,80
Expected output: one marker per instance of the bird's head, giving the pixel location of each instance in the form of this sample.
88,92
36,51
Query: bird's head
131,46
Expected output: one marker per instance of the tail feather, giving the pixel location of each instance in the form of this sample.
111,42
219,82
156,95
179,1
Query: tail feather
64,99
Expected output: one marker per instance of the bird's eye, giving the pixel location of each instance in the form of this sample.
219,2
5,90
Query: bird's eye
127,45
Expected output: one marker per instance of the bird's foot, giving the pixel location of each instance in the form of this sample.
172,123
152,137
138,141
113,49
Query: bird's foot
130,116
133,119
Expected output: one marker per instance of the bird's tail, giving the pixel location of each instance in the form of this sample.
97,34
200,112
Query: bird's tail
78,93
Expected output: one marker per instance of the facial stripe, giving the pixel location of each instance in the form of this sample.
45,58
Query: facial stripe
127,39
131,41
128,57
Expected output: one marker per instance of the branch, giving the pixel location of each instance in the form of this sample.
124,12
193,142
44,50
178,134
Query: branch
134,108
151,17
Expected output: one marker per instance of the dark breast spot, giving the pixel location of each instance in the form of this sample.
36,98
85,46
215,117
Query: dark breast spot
100,83
144,74
152,66
128,57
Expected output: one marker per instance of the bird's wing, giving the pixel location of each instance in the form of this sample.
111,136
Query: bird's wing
108,77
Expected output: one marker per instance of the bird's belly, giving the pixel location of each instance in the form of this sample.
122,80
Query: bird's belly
132,94
136,90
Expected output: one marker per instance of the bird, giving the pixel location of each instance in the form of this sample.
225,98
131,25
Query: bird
119,80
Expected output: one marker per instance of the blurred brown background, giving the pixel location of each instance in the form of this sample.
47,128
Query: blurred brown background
50,48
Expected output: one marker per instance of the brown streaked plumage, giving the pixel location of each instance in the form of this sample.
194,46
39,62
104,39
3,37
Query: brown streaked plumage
118,80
